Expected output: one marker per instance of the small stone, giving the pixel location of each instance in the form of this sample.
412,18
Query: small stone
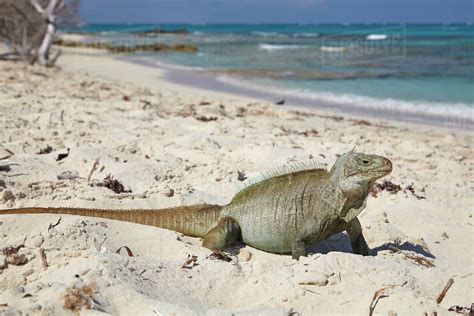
169,193
7,195
245,255
68,175
317,279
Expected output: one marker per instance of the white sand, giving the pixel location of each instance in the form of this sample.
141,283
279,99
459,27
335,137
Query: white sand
154,143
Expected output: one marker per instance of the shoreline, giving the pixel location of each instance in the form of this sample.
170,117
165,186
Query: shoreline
208,80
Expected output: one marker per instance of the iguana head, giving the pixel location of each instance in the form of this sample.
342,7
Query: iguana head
356,172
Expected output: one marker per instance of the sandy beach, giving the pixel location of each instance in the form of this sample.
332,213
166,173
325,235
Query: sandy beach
174,145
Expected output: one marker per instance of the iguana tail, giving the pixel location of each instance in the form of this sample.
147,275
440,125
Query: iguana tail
194,220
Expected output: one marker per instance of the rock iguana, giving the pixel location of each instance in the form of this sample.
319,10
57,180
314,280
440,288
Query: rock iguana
282,213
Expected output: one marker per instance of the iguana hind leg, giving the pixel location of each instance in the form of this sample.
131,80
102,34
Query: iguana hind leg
354,230
224,233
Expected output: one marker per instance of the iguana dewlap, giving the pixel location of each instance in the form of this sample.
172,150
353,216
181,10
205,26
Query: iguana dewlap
282,213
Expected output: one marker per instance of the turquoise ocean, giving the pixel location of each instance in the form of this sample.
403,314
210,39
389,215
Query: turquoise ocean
412,68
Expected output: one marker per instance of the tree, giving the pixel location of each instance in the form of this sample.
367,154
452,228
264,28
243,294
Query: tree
29,27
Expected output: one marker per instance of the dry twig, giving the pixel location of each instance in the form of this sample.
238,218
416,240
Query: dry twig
381,293
44,262
51,225
418,259
129,252
441,295
94,167
10,153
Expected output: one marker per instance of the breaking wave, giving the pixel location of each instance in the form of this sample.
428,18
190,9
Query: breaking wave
272,47
376,37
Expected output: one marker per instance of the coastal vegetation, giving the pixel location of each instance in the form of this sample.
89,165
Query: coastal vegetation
118,48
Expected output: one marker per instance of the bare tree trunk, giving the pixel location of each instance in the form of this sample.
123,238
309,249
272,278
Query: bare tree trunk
43,51
50,13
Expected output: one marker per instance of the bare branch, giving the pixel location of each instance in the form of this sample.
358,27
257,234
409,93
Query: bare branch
37,6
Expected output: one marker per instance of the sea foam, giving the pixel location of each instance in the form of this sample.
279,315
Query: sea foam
272,47
376,37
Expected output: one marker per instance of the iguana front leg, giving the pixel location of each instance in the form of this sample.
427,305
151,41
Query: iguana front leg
224,233
304,236
354,230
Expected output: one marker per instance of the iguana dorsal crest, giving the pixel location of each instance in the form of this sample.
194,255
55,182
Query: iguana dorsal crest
311,165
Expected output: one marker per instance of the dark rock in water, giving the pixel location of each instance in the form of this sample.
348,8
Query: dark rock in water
281,102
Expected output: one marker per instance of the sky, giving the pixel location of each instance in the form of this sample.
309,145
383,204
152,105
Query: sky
277,11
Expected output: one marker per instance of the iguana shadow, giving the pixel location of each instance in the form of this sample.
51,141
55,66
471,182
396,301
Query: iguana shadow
408,246
342,243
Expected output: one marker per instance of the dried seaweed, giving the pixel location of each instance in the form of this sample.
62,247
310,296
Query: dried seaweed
46,150
13,257
10,251
361,122
206,118
393,188
190,262
76,299
412,191
386,185
220,256
241,175
459,309
307,133
310,132
332,117
113,184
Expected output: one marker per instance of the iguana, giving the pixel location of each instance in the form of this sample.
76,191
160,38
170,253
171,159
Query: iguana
281,213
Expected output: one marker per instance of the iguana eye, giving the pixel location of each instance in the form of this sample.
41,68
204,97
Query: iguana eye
365,161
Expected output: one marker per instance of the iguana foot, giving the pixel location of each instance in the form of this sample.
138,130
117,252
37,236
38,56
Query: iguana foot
298,250
224,233
359,245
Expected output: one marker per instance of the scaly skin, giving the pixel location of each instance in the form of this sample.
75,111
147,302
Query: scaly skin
282,214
